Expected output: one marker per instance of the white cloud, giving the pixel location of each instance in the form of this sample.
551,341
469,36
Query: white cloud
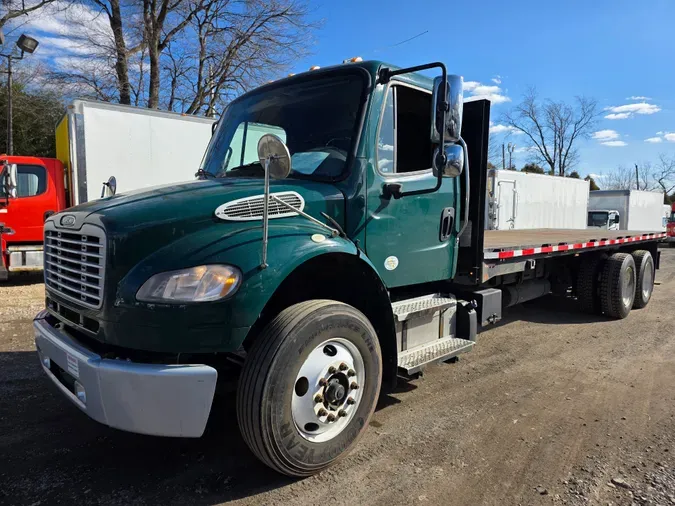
670,137
497,79
598,176
638,97
502,129
654,139
479,91
628,110
614,144
606,135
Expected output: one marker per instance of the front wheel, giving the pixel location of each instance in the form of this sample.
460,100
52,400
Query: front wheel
309,386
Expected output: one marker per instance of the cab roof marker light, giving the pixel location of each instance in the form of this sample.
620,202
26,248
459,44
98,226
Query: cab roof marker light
314,67
355,59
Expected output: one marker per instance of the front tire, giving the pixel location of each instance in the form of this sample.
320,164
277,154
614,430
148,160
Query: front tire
644,286
617,285
309,386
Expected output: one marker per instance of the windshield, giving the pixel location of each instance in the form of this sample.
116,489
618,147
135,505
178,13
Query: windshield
597,219
317,119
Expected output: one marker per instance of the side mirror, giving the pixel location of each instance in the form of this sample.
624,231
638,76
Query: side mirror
11,180
450,165
454,101
617,218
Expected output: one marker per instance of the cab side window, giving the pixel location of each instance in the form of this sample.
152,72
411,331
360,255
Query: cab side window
403,143
31,181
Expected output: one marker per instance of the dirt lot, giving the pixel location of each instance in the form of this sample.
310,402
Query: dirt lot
551,407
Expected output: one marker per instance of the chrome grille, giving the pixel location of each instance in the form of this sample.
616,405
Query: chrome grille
75,263
251,208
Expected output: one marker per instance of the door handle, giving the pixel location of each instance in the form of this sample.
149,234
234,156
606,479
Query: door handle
447,223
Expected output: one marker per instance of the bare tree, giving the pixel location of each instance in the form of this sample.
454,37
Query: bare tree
12,9
664,174
238,46
644,176
553,128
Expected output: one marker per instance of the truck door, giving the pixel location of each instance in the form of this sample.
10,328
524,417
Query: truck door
412,239
506,204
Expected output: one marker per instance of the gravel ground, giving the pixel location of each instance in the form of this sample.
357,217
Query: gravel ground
552,407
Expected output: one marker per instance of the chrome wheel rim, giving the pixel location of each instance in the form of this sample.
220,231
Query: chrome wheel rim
647,281
628,287
328,390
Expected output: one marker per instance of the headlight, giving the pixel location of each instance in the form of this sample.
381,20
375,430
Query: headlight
196,284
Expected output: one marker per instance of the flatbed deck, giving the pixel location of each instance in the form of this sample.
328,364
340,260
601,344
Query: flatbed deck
505,244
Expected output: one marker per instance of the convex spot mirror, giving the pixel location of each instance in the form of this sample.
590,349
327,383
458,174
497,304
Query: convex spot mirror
452,164
273,151
450,132
109,187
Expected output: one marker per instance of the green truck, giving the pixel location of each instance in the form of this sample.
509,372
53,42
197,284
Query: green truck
332,243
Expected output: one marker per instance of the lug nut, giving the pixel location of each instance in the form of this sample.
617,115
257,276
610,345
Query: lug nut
342,412
343,366
318,398
331,417
351,401
322,412
354,385
323,382
331,370
351,372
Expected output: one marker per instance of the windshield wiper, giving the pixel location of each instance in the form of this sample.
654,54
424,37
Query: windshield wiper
201,173
246,167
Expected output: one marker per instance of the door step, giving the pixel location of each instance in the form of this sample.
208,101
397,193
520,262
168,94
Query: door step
413,361
405,309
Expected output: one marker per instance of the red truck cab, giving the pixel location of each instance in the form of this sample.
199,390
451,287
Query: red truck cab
40,192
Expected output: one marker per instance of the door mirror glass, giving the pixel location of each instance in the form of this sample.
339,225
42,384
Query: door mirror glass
449,132
617,218
450,165
10,180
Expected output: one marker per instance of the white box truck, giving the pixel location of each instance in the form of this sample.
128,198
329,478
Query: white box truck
636,210
140,147
518,200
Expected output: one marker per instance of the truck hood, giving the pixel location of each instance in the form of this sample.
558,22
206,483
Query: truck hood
141,222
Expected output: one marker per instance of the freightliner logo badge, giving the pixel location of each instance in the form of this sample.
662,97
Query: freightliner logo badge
68,220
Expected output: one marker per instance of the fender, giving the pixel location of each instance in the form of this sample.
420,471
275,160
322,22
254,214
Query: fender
290,245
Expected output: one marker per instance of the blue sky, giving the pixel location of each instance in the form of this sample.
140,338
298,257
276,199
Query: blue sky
609,50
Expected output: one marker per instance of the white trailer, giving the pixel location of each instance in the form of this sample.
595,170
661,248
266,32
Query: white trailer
140,147
638,210
518,200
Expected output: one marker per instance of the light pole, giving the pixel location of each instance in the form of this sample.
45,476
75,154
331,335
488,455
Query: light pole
27,45
511,148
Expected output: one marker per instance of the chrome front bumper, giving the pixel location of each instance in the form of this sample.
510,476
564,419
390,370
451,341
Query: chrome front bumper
156,399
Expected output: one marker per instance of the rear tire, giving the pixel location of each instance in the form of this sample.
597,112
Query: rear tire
588,281
617,285
644,286
306,362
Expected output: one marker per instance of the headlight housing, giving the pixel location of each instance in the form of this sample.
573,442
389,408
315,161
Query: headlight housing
203,283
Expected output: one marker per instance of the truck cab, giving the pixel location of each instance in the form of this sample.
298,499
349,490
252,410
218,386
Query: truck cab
39,193
604,219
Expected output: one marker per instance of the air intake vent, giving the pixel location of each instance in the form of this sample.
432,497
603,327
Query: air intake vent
251,208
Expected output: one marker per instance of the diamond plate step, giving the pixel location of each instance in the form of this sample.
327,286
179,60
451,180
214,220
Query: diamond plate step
406,308
412,361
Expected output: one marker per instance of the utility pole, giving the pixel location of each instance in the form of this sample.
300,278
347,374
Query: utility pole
10,112
637,177
503,158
